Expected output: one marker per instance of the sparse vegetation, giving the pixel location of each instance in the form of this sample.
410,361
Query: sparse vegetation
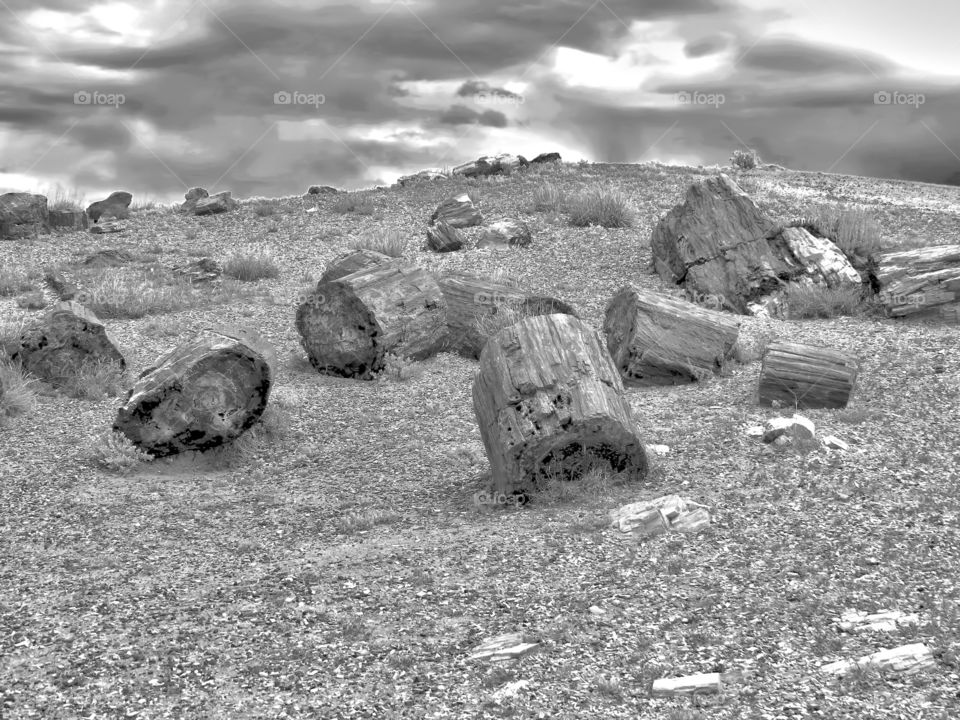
547,196
818,301
852,230
745,159
599,206
360,203
114,451
250,265
17,396
389,242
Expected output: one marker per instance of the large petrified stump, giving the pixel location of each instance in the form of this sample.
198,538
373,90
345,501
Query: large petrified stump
657,340
471,299
807,376
549,403
348,325
203,393
68,337
920,282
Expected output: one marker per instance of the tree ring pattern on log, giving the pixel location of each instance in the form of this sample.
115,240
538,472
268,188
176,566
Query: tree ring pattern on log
346,348
195,405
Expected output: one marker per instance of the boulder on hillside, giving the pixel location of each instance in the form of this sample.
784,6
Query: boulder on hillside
487,165
546,157
509,232
422,176
202,394
191,197
68,337
115,205
457,212
22,215
221,202
322,190
442,237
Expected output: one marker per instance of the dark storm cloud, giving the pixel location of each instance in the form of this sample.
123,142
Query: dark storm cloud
479,87
462,115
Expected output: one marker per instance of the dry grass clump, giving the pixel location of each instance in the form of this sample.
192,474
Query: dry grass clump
389,242
547,196
17,396
853,230
250,265
817,301
599,206
359,202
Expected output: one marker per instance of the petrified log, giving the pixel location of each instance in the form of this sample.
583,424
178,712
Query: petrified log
549,402
658,340
457,212
443,237
348,325
203,393
807,376
68,337
703,684
509,232
351,262
69,219
471,299
905,659
922,282
715,243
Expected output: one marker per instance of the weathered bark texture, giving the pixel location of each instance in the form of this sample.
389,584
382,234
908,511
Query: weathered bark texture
68,337
719,245
658,340
457,212
443,237
354,261
715,243
471,300
203,393
923,282
348,325
807,376
549,402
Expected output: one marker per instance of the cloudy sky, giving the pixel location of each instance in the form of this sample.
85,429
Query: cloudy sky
265,97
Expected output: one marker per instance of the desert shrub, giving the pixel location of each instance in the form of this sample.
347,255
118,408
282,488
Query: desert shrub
360,520
546,196
17,397
599,206
94,379
852,230
360,203
818,301
250,265
389,242
14,280
745,159
114,451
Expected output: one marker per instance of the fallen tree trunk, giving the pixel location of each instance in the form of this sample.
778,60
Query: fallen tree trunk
348,325
203,393
658,340
806,376
549,403
923,281
474,306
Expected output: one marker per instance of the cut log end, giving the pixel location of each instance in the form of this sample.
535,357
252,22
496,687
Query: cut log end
339,334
